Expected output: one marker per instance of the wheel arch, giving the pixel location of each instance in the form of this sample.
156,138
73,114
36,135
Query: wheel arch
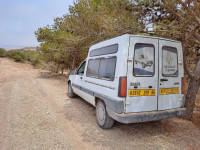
69,81
96,99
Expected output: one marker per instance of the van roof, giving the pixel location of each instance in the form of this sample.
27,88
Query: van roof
124,36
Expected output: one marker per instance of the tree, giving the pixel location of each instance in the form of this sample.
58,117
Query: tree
179,20
188,17
88,22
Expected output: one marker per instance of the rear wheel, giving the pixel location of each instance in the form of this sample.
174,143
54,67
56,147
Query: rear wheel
71,93
102,117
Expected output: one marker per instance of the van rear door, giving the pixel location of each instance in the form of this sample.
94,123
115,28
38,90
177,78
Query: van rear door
170,75
142,74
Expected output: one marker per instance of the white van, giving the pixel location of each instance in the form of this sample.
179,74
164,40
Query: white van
132,78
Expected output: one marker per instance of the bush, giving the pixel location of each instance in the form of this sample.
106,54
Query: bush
18,58
34,57
17,55
2,52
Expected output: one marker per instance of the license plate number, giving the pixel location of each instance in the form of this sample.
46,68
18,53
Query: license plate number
142,92
166,91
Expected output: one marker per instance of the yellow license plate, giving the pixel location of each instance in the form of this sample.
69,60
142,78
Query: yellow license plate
142,92
166,91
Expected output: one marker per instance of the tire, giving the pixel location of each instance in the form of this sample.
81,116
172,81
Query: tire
70,93
102,117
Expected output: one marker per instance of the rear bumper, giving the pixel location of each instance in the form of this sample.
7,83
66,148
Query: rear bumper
146,116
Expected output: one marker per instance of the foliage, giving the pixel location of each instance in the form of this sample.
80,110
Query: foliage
2,52
34,57
179,20
88,22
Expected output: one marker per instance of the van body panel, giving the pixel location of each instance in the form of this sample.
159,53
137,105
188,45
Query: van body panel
88,96
76,85
103,86
169,61
138,82
146,116
141,59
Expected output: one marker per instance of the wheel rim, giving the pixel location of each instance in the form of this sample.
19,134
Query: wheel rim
101,114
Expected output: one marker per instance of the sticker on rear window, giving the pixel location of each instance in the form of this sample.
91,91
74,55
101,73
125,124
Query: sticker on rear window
170,61
143,60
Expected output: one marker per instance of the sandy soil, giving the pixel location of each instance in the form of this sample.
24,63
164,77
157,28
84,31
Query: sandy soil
35,113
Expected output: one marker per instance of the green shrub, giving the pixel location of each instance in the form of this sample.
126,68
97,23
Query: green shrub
17,55
34,57
2,52
18,58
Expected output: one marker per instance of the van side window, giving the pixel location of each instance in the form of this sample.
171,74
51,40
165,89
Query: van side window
143,64
93,68
81,69
170,62
102,68
107,68
104,50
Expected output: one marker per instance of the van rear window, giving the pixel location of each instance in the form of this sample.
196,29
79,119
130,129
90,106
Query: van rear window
170,62
102,68
104,50
143,64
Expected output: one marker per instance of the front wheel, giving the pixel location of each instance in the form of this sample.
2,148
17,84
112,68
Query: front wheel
70,93
102,117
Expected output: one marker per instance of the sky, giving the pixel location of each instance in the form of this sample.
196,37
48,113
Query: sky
19,19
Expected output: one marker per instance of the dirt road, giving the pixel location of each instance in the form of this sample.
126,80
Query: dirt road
35,113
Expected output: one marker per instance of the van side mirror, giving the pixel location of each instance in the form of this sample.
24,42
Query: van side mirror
72,72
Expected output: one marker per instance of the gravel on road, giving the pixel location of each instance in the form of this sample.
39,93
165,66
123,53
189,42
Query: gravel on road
36,114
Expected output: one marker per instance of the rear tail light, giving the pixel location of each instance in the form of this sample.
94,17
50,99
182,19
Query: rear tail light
183,86
122,87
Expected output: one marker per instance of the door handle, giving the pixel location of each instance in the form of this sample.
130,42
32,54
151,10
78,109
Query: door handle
81,77
163,80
